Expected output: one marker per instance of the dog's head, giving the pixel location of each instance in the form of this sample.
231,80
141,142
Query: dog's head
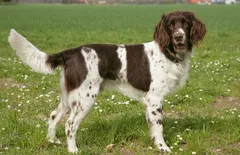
179,31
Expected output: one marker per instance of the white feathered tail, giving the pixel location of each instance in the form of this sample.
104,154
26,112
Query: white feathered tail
29,54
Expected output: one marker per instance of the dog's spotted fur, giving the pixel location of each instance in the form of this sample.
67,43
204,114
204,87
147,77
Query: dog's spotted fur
147,72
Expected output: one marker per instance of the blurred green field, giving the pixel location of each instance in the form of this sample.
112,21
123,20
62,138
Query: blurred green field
202,117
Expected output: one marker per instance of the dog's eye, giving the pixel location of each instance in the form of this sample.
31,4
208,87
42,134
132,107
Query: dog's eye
172,22
185,25
183,20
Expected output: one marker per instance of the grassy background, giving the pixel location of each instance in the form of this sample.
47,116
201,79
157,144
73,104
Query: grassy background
191,124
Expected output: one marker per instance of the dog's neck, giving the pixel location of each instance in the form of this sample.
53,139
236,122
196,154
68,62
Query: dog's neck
174,56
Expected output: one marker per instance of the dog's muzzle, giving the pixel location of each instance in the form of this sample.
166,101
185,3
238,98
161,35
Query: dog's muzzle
179,36
179,40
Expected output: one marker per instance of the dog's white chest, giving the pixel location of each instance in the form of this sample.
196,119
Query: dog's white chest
166,75
176,74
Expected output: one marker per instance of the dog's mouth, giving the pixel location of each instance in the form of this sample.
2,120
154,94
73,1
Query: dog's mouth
180,47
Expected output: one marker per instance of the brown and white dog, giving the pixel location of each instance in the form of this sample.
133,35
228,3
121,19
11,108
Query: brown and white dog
146,72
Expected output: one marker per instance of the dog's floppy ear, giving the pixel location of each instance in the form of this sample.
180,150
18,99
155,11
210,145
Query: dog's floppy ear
160,35
198,30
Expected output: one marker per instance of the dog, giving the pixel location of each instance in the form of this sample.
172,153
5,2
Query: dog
146,72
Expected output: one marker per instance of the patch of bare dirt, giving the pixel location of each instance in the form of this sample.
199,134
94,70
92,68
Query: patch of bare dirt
172,114
232,149
8,82
124,151
129,148
43,117
226,103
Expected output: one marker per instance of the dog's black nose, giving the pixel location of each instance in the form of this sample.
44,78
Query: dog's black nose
178,37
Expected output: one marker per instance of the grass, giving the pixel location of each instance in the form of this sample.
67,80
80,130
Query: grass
191,123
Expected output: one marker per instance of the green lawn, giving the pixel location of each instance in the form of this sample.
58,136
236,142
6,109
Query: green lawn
198,118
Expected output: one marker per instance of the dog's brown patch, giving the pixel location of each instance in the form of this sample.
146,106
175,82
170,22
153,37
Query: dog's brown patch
138,71
109,63
75,69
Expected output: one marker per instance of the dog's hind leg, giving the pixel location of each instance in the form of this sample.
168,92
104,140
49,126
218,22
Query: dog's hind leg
80,100
58,113
55,117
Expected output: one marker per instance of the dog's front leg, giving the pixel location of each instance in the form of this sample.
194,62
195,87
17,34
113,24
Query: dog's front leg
154,118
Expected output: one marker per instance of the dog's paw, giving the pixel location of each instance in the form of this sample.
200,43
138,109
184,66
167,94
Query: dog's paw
164,148
51,140
55,141
73,150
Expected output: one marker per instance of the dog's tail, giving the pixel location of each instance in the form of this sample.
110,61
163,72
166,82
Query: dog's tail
30,55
